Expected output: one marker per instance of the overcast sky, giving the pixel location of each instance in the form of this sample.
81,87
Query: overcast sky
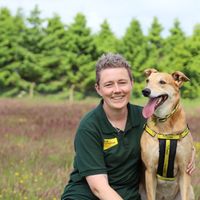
118,13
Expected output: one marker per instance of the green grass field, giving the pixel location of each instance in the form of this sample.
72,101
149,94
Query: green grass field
37,147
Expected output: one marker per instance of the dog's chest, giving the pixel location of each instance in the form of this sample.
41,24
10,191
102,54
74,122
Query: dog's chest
167,190
155,152
150,150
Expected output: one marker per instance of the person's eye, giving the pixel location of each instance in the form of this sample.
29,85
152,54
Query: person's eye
122,82
108,85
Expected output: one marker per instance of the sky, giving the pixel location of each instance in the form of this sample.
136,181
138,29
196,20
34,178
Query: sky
118,13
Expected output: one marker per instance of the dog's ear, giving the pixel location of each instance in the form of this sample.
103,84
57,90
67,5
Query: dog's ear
179,78
147,72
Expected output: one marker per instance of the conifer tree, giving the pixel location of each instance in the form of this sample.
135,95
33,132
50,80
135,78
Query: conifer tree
105,40
11,27
191,69
155,45
134,49
80,53
52,57
56,58
32,36
173,49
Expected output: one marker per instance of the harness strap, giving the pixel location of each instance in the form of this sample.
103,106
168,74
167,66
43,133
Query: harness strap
167,152
168,136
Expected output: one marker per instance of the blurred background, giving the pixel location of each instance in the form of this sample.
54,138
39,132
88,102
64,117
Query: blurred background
48,51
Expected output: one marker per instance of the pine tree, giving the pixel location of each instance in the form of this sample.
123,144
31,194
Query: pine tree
192,69
105,40
80,53
52,57
155,45
10,53
174,48
134,49
31,49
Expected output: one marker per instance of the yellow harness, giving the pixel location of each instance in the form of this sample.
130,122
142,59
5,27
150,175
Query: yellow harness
164,136
167,152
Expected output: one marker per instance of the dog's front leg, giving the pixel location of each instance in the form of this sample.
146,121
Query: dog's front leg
151,184
185,187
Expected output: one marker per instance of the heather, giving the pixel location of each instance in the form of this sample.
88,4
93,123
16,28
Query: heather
37,146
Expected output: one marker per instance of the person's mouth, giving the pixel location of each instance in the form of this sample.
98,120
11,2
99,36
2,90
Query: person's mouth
118,97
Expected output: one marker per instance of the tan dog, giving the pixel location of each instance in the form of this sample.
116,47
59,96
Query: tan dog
166,132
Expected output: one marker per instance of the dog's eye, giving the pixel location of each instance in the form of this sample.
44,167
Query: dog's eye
162,82
147,80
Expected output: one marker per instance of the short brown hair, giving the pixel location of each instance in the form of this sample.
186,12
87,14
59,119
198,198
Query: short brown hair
111,60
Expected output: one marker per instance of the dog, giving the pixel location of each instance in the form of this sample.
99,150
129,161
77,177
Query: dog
166,143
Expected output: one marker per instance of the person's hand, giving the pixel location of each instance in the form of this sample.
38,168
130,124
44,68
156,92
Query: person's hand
191,165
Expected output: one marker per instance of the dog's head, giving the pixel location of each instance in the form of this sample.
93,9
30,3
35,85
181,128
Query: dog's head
162,89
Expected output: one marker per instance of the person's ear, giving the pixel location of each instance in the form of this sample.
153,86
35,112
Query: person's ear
98,89
132,83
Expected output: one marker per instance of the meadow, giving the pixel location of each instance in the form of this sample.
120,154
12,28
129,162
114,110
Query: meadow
36,146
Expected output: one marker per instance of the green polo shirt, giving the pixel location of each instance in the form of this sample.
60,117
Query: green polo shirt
101,149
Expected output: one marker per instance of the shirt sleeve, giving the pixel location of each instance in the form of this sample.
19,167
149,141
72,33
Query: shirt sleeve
89,153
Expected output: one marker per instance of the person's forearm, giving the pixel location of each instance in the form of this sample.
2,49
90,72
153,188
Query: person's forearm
106,194
101,188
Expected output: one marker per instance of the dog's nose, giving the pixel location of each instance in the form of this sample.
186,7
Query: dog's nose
146,92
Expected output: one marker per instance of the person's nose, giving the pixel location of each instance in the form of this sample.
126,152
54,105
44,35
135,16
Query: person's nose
117,88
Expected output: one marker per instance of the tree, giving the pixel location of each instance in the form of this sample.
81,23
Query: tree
56,58
32,35
192,69
10,59
155,45
105,40
80,53
174,49
134,49
51,59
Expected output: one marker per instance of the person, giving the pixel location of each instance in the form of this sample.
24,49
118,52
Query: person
107,160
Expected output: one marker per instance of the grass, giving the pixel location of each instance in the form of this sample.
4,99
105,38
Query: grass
37,147
34,168
196,176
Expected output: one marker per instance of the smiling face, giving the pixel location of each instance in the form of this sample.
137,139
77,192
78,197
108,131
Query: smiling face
115,88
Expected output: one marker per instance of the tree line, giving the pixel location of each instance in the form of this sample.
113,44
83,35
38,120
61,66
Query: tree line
41,56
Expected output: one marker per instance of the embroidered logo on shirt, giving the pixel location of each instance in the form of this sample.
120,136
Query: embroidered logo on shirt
108,143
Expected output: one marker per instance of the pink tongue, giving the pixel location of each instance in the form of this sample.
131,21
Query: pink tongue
148,110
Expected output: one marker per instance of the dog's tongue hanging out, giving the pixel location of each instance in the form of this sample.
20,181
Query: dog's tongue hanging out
148,110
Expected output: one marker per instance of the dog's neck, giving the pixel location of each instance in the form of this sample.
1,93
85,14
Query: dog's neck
175,122
163,119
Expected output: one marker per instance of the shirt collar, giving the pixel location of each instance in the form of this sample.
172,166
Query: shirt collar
132,120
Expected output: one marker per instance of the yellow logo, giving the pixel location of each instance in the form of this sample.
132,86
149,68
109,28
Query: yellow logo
108,143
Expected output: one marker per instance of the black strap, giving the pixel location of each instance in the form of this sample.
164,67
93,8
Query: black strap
172,154
162,144
170,171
